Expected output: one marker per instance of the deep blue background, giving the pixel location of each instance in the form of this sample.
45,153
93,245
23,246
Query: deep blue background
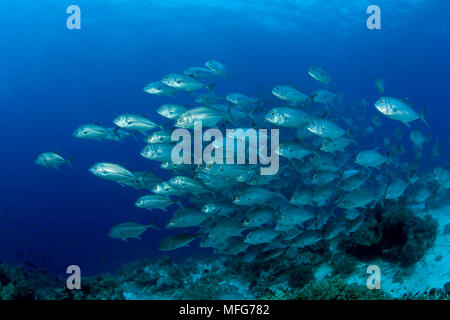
53,80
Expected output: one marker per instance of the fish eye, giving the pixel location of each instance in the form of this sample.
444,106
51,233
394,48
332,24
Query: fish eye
238,198
272,113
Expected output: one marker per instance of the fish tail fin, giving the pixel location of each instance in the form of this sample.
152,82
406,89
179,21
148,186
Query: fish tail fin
211,86
69,162
180,205
352,137
422,117
163,126
429,138
391,160
324,114
251,116
282,198
135,135
230,115
153,224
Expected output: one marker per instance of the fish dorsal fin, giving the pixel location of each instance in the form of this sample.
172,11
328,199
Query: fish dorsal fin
153,224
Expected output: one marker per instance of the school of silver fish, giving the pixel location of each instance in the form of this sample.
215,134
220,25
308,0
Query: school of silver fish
323,187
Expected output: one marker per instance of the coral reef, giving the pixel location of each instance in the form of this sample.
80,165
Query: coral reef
391,237
334,288
393,233
432,294
20,283
197,278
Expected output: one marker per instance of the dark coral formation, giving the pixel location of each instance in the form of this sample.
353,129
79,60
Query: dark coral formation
393,233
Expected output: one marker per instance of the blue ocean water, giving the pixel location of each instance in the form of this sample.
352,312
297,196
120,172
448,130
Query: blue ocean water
53,79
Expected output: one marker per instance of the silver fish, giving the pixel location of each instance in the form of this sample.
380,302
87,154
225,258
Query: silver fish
91,131
112,171
185,83
399,110
371,158
187,218
200,73
154,201
261,236
171,111
288,117
396,189
175,242
160,89
51,160
289,94
218,68
320,74
129,230
357,199
134,122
